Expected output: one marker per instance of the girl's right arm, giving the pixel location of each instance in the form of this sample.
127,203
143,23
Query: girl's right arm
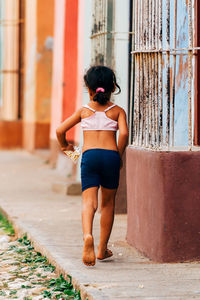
123,132
64,127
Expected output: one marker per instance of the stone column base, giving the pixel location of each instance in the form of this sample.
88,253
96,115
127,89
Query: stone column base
10,134
36,136
163,193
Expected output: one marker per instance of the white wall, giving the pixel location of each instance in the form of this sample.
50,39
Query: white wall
87,43
121,28
84,60
58,61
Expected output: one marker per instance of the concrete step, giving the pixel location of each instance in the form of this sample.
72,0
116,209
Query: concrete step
67,188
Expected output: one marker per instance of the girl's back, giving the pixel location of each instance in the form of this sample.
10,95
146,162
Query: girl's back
102,139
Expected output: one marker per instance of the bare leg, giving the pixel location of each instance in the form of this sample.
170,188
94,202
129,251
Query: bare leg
107,218
90,202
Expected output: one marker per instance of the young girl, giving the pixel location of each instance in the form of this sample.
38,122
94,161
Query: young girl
102,156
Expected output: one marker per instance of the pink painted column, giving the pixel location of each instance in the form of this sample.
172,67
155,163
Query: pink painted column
71,49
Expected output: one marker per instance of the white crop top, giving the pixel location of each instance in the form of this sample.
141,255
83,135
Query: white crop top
99,120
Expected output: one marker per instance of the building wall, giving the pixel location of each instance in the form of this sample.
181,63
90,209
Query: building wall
10,60
57,76
162,181
1,52
121,27
65,88
154,82
30,61
121,42
70,62
197,76
181,82
58,65
80,63
87,27
84,33
38,66
44,57
10,126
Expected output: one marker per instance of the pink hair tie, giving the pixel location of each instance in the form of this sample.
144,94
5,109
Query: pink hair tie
100,89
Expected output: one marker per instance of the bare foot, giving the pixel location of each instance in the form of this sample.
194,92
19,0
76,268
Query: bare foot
104,254
88,251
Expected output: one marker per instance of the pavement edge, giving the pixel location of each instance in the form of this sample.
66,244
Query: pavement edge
20,231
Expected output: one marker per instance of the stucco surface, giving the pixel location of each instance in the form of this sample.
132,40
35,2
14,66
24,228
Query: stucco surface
163,192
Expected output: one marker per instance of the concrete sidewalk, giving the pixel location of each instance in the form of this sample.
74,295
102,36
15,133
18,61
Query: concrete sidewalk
53,222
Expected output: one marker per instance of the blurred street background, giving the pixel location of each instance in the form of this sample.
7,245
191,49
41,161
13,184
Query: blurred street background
153,46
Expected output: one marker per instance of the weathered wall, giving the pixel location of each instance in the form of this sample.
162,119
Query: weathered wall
121,38
181,81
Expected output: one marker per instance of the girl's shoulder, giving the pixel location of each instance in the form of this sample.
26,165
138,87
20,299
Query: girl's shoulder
116,106
119,108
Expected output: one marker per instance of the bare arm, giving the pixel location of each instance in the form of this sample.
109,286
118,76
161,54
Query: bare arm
123,132
65,126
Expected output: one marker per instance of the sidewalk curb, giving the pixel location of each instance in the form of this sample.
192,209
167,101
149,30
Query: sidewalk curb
20,231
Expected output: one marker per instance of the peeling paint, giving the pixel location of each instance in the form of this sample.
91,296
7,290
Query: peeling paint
171,71
182,74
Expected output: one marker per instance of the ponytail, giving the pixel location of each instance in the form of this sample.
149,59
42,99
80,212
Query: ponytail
101,96
102,81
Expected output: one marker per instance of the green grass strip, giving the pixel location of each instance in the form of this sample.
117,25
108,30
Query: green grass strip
59,288
6,226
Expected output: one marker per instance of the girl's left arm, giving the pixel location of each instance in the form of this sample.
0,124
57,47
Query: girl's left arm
123,132
64,127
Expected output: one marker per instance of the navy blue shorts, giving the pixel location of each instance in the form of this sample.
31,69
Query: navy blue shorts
100,167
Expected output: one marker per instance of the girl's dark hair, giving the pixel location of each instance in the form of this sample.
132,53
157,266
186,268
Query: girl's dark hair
101,77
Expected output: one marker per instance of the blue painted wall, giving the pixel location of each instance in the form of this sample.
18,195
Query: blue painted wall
181,94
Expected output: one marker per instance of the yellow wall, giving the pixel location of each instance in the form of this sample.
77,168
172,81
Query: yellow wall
39,21
10,60
30,61
45,26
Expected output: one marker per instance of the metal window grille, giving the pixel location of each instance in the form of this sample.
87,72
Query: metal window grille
158,54
102,37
